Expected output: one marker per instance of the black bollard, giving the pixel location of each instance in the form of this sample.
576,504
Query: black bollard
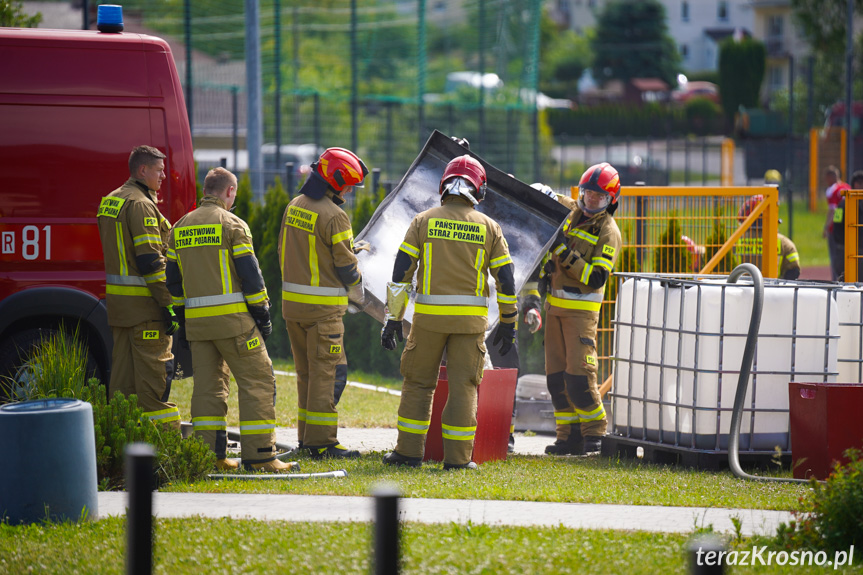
139,517
706,555
386,558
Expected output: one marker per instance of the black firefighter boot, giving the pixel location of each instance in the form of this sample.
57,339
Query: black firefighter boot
572,445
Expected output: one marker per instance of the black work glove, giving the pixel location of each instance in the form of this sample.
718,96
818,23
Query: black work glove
261,315
180,314
170,318
505,334
389,332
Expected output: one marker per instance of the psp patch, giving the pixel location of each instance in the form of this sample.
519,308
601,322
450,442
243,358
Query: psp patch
253,343
335,349
151,222
151,334
608,250
590,360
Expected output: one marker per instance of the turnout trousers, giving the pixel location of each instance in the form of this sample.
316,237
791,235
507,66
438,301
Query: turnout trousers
570,370
420,366
319,355
142,363
246,357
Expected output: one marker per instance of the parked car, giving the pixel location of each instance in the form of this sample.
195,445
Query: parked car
696,89
300,155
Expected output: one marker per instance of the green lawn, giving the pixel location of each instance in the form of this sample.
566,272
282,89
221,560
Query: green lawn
807,232
195,545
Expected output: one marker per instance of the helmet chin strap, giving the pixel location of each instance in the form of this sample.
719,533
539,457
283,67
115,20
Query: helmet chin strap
460,187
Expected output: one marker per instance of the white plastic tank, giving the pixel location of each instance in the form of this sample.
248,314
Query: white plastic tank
679,346
848,300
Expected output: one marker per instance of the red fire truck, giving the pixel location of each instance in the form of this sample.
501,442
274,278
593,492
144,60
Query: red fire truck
73,104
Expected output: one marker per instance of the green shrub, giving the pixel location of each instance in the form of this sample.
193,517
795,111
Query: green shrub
704,116
718,236
671,255
57,369
831,512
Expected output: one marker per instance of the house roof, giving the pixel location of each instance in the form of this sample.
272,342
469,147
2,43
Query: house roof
649,84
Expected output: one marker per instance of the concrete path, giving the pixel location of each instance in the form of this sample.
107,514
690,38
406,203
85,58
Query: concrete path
521,513
274,507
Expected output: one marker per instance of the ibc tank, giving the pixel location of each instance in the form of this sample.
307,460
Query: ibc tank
848,300
49,461
679,347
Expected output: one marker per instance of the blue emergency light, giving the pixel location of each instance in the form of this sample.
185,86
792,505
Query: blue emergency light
109,18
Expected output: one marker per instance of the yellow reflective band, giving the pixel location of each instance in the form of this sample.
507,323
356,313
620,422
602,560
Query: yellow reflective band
503,298
409,250
150,334
533,292
427,263
209,423
314,299
257,427
573,304
480,277
151,222
340,237
178,301
121,249
301,219
195,236
146,239
243,250
335,349
301,414
566,225
171,255
590,238
458,433
143,291
413,425
559,249
450,309
456,230
164,415
110,207
793,257
321,418
154,277
216,310
592,415
608,250
585,273
256,298
565,417
602,262
501,261
313,262
253,343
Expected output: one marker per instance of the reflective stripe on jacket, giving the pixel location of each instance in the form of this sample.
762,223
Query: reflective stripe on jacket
212,269
133,233
317,258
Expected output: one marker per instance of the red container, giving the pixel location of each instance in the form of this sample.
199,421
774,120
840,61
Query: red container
493,415
825,421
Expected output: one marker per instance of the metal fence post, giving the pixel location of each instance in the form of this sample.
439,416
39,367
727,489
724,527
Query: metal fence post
386,559
139,517
289,179
376,182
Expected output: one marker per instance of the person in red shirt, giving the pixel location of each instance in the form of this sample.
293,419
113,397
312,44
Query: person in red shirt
835,192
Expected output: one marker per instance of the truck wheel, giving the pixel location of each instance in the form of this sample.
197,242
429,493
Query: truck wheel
15,351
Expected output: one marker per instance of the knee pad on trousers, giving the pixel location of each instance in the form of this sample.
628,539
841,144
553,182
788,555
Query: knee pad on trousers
578,389
557,390
341,382
221,444
169,377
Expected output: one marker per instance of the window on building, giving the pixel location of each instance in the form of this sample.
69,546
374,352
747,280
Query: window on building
591,3
684,51
684,11
775,25
722,10
777,77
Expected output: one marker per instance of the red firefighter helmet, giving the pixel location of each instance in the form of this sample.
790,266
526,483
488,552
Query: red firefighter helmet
748,206
468,168
341,168
600,178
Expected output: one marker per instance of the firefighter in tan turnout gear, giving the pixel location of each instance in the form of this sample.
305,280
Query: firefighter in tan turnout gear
133,234
581,261
213,272
319,275
454,247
